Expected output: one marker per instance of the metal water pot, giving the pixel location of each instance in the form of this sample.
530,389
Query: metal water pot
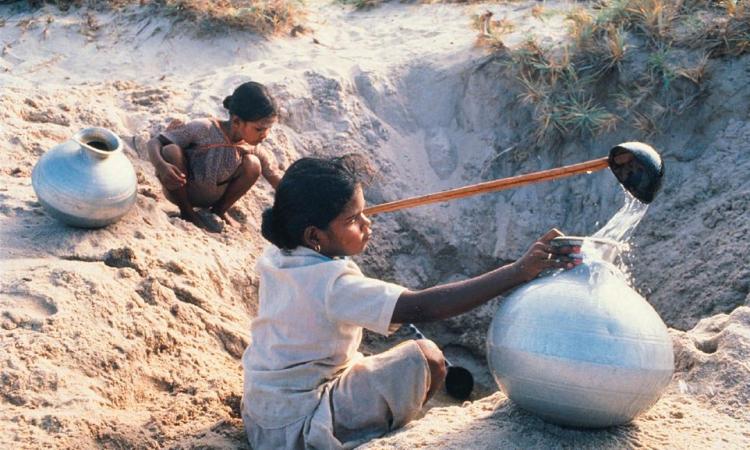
86,181
580,347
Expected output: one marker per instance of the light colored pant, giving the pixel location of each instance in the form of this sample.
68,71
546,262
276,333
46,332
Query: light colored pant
375,395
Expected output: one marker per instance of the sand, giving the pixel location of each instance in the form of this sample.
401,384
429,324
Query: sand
130,336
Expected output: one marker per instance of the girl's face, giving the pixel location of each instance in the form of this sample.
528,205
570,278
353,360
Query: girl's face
252,132
349,232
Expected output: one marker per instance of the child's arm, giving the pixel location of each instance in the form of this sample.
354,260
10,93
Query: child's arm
448,300
170,175
273,177
268,167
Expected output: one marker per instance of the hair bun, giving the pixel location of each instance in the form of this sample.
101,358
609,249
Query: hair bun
227,102
251,101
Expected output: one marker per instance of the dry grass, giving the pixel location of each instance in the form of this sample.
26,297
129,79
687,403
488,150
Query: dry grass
492,31
580,89
728,34
261,16
654,18
368,4
265,17
363,4
559,93
537,11
698,72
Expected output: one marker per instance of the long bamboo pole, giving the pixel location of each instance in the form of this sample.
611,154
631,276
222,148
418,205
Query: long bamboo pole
491,186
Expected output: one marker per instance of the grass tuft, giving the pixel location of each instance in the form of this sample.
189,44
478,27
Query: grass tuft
363,4
492,31
368,4
264,17
597,81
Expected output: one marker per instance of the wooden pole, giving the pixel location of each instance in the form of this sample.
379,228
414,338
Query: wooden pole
491,186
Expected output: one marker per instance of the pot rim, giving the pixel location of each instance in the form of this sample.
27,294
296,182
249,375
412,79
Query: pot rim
109,138
578,241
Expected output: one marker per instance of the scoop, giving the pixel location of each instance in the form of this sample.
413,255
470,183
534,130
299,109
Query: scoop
459,382
637,166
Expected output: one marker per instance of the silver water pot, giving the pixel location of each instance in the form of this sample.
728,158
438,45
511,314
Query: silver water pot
580,347
86,181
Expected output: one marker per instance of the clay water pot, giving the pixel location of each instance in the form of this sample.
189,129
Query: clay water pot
580,347
86,181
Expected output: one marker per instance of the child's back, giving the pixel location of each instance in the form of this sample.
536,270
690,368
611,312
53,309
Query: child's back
305,336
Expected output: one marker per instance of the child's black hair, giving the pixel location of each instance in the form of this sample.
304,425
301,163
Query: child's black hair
251,101
313,191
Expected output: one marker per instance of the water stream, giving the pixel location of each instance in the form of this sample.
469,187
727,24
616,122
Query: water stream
621,226
611,242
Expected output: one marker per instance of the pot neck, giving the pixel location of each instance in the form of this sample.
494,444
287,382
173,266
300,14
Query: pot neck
592,249
99,143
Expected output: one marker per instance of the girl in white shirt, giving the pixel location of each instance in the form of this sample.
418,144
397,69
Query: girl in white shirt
306,384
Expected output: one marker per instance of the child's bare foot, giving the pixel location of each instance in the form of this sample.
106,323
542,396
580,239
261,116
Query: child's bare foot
194,218
227,219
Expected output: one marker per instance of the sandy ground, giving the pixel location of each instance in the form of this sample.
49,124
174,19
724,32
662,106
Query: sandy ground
130,336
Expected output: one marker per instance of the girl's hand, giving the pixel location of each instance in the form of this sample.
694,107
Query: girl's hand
171,176
542,256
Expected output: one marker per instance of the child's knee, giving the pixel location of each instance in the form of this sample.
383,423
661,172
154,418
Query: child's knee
251,166
435,359
172,153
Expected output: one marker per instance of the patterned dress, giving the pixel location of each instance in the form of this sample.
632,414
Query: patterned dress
212,158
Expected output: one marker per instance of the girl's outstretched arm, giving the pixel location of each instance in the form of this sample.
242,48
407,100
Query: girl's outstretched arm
448,300
154,146
273,177
268,166
169,174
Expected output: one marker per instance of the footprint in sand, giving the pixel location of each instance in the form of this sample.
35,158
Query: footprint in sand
19,310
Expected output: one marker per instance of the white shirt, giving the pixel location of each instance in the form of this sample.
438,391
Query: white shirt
308,329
